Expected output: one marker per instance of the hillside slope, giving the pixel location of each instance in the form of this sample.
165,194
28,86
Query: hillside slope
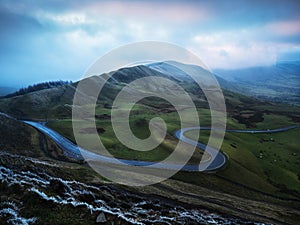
280,83
55,103
19,139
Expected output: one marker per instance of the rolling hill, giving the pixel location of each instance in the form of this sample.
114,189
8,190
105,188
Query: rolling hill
56,102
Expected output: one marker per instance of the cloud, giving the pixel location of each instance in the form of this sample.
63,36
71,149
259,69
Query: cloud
284,28
61,38
233,50
65,18
171,12
233,56
253,45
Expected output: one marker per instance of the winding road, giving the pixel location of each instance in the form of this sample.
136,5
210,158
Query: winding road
73,151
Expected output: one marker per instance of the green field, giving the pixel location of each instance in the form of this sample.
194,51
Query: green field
265,162
268,162
139,125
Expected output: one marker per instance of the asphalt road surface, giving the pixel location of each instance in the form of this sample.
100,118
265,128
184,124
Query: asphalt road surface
218,159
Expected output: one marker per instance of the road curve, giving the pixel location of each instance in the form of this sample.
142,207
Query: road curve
73,151
220,159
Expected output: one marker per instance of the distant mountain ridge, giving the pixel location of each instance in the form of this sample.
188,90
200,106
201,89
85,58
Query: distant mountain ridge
280,82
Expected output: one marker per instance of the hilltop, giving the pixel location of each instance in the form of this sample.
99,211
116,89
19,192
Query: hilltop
55,102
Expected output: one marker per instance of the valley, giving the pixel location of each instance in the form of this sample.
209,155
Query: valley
258,184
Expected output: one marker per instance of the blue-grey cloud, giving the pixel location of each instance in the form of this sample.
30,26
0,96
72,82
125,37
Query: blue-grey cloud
44,40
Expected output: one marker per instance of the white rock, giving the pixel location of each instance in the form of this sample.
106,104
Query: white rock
101,218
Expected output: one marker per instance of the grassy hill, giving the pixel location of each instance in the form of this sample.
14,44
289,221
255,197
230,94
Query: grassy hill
17,137
21,139
40,104
56,102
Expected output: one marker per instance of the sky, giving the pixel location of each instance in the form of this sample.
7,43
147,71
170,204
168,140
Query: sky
59,40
